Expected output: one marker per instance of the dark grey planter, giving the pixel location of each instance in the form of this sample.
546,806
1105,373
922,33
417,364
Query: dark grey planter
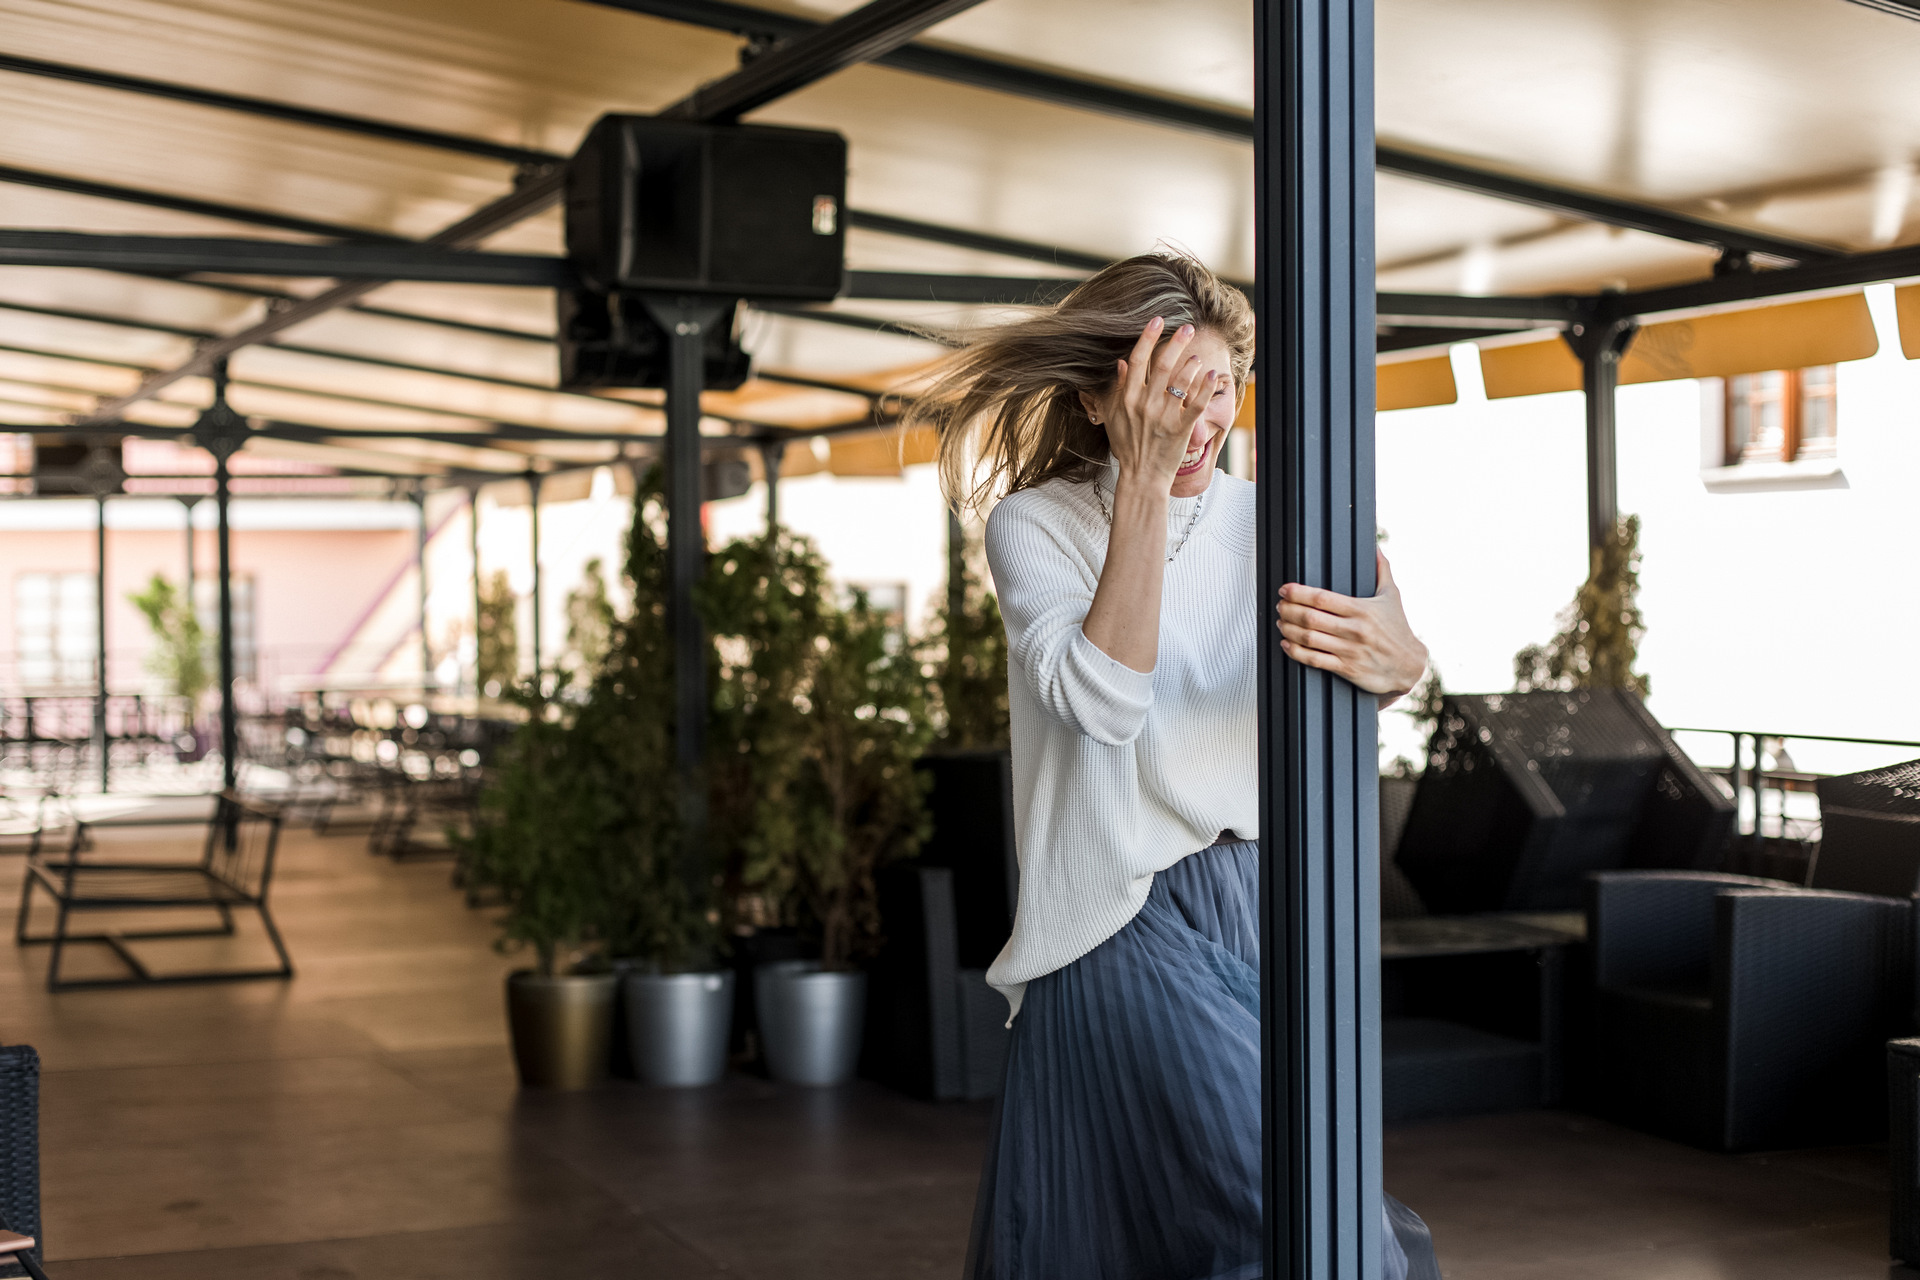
677,1026
810,1021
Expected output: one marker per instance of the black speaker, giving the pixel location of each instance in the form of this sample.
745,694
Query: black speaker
742,210
609,340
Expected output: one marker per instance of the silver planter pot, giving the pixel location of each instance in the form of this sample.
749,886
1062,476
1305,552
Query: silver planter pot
677,1026
810,1021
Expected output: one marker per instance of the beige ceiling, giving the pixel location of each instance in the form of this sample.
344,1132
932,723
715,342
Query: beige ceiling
1793,116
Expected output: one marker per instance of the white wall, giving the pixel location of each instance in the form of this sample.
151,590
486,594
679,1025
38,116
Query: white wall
1790,610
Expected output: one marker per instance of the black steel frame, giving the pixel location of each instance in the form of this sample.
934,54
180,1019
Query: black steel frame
1319,803
59,881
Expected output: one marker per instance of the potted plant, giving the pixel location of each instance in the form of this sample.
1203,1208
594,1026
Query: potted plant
179,656
823,709
658,907
537,843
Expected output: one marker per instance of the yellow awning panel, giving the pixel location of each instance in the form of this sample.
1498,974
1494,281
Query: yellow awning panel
1906,304
1792,335
1414,384
1399,384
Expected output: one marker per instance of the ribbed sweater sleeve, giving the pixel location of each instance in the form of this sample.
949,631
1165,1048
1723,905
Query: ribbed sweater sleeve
1045,589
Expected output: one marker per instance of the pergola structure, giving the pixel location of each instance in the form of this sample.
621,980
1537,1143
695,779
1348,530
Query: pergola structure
326,236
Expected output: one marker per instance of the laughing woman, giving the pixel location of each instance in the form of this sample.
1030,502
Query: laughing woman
1127,1145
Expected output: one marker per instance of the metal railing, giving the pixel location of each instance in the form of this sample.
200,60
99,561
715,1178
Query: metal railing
1749,775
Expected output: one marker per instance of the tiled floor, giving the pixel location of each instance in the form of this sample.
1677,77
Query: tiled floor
362,1121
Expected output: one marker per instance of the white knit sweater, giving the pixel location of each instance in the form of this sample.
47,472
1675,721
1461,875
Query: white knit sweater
1119,774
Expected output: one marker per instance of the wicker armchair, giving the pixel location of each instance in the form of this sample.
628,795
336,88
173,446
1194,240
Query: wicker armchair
1737,1013
1524,794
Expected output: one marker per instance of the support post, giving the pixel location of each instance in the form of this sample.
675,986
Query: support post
685,321
189,503
473,550
100,742
1600,341
772,454
223,541
1319,772
533,514
221,432
419,496
956,571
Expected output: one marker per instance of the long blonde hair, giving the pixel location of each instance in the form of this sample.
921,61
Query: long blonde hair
1007,405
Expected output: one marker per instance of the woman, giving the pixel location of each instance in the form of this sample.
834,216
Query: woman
1127,1145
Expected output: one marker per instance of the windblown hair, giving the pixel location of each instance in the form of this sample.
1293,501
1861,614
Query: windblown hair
1007,405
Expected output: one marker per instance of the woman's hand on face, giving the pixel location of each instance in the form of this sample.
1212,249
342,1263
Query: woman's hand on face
1365,641
1148,429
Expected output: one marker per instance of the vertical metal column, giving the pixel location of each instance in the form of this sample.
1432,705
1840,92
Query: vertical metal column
223,542
190,503
533,513
956,570
1600,340
100,633
473,550
772,454
1319,772
419,496
221,432
685,320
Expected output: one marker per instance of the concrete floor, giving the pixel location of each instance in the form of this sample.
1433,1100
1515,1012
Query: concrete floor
362,1121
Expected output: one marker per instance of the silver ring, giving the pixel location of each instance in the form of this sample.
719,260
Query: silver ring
1176,393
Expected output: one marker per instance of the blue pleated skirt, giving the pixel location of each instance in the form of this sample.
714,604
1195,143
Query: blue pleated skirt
1127,1140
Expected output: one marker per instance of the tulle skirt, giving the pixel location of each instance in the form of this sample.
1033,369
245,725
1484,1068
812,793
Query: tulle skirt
1127,1140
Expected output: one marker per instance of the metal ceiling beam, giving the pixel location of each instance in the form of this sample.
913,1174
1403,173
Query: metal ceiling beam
867,32
1551,308
204,335
921,286
962,68
1592,207
186,204
983,73
1749,286
1005,246
274,110
1105,99
228,255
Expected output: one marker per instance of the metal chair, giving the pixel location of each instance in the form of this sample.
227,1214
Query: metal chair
234,871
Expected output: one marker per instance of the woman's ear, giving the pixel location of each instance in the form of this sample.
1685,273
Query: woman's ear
1090,407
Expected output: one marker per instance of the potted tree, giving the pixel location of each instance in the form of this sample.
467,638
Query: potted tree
179,656
824,710
537,843
659,917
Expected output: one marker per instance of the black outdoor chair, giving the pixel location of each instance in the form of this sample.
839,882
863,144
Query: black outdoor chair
20,1162
1734,1012
234,871
1526,793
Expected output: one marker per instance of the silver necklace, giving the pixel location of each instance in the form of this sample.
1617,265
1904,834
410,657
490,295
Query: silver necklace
1200,504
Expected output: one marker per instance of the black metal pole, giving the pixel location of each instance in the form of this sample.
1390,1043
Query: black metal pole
100,634
1600,341
190,503
223,542
473,550
686,321
1319,772
533,513
956,570
772,454
419,496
